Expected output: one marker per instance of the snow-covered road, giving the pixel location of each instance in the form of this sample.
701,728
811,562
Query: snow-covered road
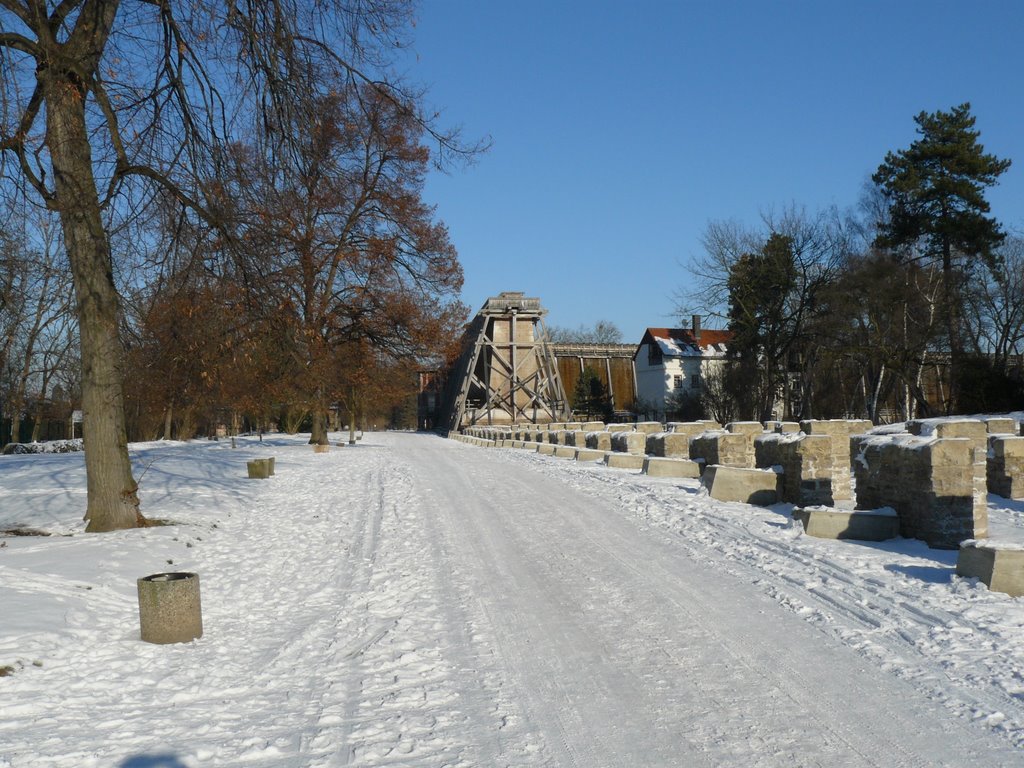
416,601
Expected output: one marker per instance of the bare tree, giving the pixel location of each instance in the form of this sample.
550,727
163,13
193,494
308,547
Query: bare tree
104,101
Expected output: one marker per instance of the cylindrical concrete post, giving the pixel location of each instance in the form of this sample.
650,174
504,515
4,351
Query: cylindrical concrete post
169,607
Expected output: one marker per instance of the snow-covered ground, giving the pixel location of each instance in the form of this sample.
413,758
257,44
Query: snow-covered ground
413,601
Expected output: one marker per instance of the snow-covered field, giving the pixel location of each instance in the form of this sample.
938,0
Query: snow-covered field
413,601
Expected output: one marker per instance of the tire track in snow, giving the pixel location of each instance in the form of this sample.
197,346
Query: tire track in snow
879,618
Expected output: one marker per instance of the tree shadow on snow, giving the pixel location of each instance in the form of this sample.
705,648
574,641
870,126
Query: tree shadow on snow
926,573
153,761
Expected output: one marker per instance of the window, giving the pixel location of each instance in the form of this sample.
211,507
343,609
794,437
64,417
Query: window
653,354
677,381
695,381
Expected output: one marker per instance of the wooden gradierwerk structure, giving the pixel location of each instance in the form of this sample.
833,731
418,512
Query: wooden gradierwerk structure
507,373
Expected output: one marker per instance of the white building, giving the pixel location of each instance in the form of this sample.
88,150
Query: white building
675,361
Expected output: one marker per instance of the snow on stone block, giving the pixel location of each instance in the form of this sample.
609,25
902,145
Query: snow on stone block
620,428
655,466
999,566
588,454
749,486
624,461
862,525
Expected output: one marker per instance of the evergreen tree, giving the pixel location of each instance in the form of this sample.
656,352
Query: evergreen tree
938,212
760,286
589,397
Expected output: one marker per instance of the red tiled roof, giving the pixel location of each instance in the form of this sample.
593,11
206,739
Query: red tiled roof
708,336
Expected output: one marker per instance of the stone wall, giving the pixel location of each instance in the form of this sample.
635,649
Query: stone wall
935,482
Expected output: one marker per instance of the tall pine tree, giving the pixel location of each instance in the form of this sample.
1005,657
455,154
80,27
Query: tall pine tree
938,213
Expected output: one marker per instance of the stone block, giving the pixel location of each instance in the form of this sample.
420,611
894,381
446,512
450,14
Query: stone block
588,454
863,525
576,438
599,441
649,427
565,452
750,486
546,449
692,428
665,467
751,428
592,426
620,428
1000,568
623,461
673,445
1001,426
629,442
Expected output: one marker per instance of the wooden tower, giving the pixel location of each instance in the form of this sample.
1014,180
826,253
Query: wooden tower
507,373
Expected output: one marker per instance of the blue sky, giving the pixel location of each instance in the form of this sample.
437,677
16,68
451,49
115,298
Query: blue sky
620,129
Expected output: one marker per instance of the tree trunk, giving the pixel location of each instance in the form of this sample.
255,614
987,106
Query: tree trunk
16,424
169,421
113,501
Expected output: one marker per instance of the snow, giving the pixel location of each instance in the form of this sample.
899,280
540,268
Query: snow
417,601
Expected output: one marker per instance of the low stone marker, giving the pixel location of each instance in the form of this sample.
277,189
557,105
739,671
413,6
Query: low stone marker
863,525
620,428
169,608
656,466
547,449
999,567
565,451
624,461
258,469
749,486
599,441
589,454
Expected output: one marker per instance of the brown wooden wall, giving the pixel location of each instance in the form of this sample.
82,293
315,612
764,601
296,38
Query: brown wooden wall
603,360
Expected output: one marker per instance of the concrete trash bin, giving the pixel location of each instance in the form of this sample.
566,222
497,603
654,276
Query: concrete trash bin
169,607
259,469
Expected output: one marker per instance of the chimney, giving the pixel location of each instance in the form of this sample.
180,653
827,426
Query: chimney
696,328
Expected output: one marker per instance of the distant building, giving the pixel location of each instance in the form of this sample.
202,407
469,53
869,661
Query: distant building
671,363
